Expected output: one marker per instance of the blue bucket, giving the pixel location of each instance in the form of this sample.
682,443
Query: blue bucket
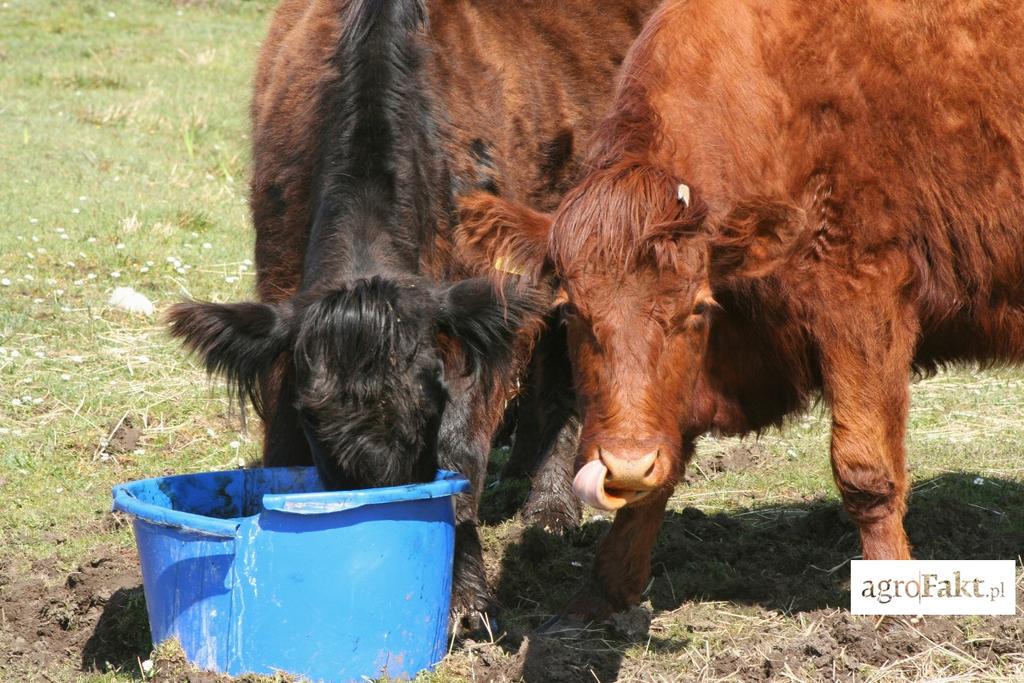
261,570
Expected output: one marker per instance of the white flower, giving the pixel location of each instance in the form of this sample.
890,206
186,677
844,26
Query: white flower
207,245
15,401
6,282
75,359
235,445
144,269
76,210
66,377
33,220
115,274
231,279
120,245
142,359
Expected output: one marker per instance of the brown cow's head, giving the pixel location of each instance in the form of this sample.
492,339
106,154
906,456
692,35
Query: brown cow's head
639,262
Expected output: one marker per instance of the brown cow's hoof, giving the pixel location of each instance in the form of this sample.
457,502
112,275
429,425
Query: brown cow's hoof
554,515
590,606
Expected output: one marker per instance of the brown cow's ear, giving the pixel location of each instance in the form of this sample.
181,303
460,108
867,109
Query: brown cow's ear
755,239
498,238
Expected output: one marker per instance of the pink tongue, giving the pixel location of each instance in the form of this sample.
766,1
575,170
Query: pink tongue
589,487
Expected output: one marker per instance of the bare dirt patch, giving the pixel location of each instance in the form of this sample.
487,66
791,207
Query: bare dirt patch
740,457
56,622
757,594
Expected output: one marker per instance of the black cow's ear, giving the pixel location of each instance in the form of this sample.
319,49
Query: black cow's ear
498,238
486,321
755,239
239,341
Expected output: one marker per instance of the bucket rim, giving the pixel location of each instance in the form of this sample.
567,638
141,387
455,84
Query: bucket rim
445,484
125,501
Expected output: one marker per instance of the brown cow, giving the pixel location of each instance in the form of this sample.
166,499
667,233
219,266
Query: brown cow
788,199
374,353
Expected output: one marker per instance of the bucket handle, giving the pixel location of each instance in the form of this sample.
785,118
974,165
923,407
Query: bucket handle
124,501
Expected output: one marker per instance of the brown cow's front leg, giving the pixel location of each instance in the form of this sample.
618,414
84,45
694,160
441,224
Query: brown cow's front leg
623,564
552,505
866,381
548,410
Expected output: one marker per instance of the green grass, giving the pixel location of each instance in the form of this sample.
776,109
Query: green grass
123,159
123,162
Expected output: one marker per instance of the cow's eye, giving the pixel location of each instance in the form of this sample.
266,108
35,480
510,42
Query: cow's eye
701,307
569,311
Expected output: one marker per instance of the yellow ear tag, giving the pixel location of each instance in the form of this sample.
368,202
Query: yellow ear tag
505,265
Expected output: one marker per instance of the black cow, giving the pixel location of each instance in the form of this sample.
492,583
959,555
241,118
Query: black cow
373,341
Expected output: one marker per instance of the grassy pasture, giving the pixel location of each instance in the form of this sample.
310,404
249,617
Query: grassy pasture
123,162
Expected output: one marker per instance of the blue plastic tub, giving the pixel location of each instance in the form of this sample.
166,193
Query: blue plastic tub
256,571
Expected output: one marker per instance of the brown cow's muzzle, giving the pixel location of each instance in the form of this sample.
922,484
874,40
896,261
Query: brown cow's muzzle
611,481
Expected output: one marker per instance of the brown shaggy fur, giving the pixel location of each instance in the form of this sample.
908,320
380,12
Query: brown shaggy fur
861,166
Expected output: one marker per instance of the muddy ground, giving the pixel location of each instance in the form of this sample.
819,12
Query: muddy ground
751,595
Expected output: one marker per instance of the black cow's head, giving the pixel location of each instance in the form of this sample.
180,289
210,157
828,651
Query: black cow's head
372,361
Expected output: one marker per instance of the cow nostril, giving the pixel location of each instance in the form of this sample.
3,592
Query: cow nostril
654,464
